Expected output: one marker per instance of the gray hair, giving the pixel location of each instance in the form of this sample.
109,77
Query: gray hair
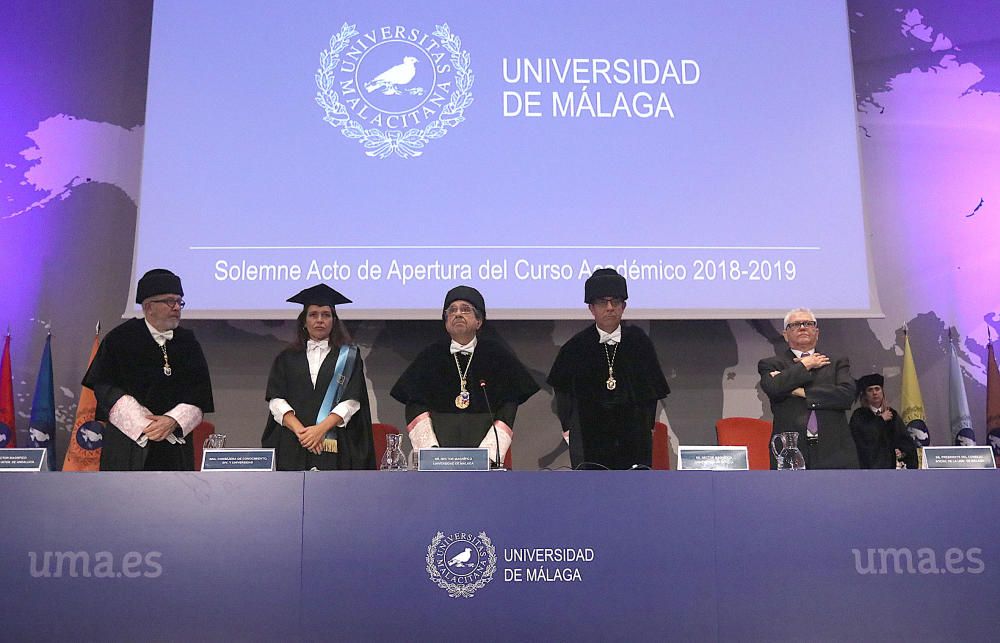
791,312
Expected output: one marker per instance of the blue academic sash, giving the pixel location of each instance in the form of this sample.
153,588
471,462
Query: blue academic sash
342,373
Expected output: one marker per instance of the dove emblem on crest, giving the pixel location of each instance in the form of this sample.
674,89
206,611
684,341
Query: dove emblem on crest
390,80
461,559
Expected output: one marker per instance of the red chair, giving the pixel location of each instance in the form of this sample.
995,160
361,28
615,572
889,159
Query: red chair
199,435
661,447
379,431
751,433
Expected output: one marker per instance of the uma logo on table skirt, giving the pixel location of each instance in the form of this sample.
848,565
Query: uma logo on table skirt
461,564
394,88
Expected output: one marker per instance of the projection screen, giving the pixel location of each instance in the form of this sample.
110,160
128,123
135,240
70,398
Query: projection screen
707,150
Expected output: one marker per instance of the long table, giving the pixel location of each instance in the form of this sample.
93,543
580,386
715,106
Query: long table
501,555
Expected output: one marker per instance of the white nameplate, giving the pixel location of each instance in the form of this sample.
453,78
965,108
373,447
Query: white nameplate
466,459
237,460
695,458
958,458
23,460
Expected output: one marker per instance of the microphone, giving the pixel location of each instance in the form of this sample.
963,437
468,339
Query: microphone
493,423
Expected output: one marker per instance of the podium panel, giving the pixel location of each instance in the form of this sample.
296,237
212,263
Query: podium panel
140,556
613,555
589,556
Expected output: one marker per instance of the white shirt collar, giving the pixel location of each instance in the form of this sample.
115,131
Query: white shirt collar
160,337
317,345
614,337
799,353
467,348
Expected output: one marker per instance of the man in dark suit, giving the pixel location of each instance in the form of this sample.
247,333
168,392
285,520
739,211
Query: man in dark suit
810,394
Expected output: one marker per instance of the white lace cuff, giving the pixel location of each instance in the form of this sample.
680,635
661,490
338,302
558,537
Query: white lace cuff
421,431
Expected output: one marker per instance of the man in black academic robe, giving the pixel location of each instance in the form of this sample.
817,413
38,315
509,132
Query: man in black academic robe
879,432
349,443
607,382
810,395
152,384
460,387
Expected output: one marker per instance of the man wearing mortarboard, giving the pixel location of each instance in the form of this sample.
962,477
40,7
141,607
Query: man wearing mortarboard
316,393
151,382
452,385
607,381
879,432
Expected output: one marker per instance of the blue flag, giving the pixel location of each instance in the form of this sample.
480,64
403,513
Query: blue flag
42,428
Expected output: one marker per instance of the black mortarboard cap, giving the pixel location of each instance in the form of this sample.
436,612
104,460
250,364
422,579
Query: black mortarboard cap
319,295
466,293
874,379
605,282
158,281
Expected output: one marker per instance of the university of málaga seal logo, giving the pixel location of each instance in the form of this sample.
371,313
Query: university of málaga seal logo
461,564
394,88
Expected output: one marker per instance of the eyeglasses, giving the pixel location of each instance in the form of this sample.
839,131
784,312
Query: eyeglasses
604,301
171,302
459,310
801,324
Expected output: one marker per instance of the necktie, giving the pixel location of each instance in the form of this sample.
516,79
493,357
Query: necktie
812,425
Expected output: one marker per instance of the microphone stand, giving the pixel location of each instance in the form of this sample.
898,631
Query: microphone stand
498,465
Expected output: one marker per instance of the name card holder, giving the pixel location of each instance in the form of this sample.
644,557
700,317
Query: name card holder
451,459
711,458
957,458
34,460
237,460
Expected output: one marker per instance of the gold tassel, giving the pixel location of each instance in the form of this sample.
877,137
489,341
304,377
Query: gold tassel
329,446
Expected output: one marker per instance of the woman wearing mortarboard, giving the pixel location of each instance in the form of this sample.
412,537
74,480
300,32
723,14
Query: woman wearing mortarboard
316,393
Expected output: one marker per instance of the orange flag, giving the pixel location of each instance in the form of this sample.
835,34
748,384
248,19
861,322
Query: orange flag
84,451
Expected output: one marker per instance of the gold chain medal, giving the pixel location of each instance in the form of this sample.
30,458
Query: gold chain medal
166,361
611,383
463,398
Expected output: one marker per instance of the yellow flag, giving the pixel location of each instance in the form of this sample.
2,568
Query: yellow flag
912,401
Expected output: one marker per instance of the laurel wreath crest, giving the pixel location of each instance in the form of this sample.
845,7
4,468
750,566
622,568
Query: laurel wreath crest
379,144
456,590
